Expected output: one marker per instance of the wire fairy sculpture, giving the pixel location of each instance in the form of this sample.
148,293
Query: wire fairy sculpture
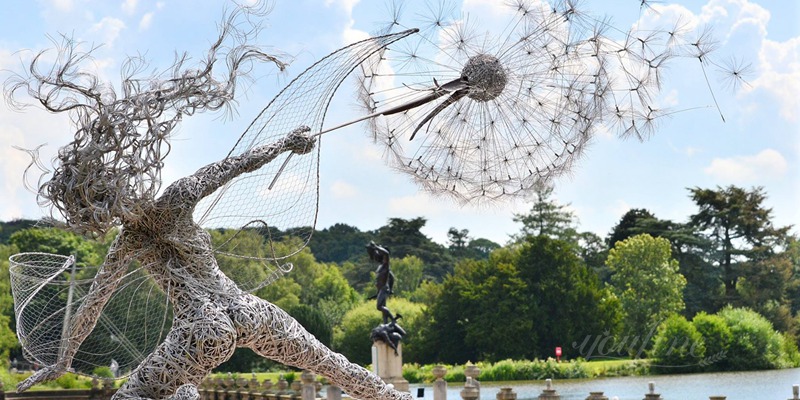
109,176
480,116
493,116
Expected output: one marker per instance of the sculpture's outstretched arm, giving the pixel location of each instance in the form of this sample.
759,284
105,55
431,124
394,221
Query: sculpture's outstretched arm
206,180
85,319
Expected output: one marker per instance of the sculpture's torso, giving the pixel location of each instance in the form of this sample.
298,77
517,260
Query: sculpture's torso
178,254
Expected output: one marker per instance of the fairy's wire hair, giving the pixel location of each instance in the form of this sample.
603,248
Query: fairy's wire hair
113,164
520,105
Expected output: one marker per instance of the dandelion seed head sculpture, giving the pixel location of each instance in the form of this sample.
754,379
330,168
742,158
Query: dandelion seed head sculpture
494,109
486,77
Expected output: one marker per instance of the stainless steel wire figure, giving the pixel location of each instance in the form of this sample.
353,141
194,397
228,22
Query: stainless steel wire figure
109,176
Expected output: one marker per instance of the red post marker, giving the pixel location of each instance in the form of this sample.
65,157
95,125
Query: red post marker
558,354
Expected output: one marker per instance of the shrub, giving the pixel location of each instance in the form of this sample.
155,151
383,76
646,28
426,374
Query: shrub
103,372
755,344
71,381
717,338
413,373
455,374
678,346
351,337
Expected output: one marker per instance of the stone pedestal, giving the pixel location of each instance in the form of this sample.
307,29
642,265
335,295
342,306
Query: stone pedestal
333,393
549,393
389,366
506,393
439,385
596,396
651,392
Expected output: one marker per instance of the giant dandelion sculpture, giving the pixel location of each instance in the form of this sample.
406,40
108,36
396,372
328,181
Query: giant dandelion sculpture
478,115
471,115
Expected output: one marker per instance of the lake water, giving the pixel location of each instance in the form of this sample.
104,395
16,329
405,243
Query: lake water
758,385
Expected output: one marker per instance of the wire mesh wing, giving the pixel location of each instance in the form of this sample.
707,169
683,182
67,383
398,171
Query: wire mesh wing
49,288
289,208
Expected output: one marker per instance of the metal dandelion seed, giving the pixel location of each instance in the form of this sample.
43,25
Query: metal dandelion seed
519,107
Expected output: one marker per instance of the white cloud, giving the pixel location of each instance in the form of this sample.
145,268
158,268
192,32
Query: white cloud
370,152
780,75
690,151
414,205
766,164
343,190
669,99
129,6
145,22
28,130
619,207
108,29
346,5
777,64
63,5
351,35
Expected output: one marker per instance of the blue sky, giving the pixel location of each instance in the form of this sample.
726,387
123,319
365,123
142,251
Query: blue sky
758,145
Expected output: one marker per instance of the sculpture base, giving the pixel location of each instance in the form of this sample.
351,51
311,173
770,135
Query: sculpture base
389,366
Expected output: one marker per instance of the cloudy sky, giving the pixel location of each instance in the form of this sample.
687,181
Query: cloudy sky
758,145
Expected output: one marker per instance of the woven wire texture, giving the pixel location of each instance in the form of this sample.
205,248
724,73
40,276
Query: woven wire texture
506,109
48,290
77,317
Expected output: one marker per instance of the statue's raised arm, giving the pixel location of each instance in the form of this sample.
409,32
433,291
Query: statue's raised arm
208,179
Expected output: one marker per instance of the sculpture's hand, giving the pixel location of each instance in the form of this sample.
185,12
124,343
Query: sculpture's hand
45,374
299,141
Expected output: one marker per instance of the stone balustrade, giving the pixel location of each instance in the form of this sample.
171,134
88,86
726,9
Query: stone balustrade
304,388
308,388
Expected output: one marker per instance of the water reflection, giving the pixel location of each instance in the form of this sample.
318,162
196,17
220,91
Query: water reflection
755,385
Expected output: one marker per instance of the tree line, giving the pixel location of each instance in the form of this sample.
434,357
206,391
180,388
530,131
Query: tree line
549,286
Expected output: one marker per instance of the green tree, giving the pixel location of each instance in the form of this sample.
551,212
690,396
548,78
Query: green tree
546,218
8,340
339,243
458,238
628,226
522,302
646,280
593,252
482,312
57,241
481,248
739,228
561,289
408,272
763,286
403,237
9,228
704,289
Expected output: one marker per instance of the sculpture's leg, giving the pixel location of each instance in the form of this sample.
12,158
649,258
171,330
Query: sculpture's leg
381,305
201,338
274,334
